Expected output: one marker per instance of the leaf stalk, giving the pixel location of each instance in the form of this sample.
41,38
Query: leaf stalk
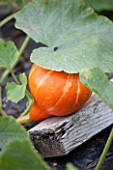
8,71
28,95
14,77
7,19
105,151
25,43
4,76
2,113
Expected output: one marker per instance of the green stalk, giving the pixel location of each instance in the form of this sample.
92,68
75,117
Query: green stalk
7,19
105,151
4,76
2,113
0,97
26,41
26,111
28,95
6,73
2,23
15,78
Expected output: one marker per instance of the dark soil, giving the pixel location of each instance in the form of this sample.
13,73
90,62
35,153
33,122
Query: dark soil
84,157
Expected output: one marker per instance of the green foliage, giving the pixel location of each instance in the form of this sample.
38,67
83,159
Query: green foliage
9,131
22,156
8,54
100,5
77,40
16,92
98,82
71,167
81,36
17,150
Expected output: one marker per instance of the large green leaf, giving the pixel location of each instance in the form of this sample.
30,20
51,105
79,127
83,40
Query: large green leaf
16,92
8,54
17,150
82,38
101,4
22,156
98,82
9,131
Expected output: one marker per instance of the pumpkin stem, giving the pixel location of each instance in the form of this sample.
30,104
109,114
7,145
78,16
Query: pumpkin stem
23,120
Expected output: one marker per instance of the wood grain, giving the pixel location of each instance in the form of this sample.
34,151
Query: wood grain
58,136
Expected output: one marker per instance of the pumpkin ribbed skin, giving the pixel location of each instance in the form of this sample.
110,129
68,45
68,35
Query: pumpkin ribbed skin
55,93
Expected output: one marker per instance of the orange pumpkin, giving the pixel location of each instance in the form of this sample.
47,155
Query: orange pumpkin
55,93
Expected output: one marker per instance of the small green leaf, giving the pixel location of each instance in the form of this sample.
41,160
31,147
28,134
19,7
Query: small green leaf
9,131
80,36
8,54
101,4
17,150
98,82
16,92
71,167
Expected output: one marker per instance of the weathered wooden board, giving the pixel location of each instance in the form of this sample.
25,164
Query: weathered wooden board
57,136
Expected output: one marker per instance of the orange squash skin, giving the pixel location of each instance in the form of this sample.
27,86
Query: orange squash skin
55,93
